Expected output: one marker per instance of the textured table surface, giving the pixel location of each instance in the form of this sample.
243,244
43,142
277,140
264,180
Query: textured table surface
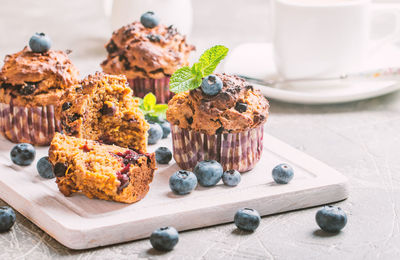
360,139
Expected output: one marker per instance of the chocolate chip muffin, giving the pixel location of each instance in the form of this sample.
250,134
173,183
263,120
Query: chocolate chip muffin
101,107
226,127
31,84
101,171
147,57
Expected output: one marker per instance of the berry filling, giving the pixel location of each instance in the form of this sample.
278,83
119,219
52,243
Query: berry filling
86,148
128,157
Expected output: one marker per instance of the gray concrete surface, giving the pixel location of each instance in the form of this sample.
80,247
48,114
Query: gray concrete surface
360,139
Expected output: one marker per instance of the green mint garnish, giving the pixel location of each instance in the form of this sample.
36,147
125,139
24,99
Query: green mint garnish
187,78
149,106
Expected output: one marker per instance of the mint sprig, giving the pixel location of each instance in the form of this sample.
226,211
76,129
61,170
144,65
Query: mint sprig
149,106
187,78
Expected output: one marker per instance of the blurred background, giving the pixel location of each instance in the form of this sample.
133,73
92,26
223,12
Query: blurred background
84,26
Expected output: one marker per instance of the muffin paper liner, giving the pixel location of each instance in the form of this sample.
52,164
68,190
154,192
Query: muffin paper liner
238,151
159,87
34,125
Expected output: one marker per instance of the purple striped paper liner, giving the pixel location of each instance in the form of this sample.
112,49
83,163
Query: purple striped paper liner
159,87
34,125
238,151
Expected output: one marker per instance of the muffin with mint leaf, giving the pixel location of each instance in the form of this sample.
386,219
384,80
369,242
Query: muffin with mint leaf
147,53
215,116
31,84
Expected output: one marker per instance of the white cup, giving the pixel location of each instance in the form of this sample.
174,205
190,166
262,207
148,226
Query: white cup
322,38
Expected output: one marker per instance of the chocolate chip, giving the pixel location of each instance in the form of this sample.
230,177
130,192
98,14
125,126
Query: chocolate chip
108,110
111,47
60,169
154,37
249,87
66,106
219,130
241,107
68,129
171,31
78,89
27,89
74,117
190,120
124,61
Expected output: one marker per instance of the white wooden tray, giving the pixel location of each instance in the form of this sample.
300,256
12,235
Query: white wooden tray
78,222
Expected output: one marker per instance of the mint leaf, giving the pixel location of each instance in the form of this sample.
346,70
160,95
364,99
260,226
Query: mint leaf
187,78
160,110
149,101
211,58
183,79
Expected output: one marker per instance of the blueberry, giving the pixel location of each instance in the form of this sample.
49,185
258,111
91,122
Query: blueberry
23,154
66,106
45,168
27,89
155,133
40,43
241,107
108,109
182,182
247,219
164,239
60,169
231,177
154,37
166,127
211,85
331,219
163,155
149,20
7,218
282,173
208,173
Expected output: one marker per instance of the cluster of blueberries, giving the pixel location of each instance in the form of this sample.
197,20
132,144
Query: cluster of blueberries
206,173
159,129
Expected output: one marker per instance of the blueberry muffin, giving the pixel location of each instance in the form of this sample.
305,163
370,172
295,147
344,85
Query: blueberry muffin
147,53
226,126
101,171
31,84
101,107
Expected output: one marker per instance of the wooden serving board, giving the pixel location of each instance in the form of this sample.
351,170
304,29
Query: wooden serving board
78,222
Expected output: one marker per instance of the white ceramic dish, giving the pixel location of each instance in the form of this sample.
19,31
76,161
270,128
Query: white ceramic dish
255,60
79,222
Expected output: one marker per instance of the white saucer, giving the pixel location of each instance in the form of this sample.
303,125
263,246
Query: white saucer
256,60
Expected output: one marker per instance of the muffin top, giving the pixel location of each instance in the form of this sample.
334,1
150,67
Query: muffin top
237,107
30,78
140,52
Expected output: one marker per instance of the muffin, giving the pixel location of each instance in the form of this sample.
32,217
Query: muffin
147,57
101,171
101,107
226,127
31,84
